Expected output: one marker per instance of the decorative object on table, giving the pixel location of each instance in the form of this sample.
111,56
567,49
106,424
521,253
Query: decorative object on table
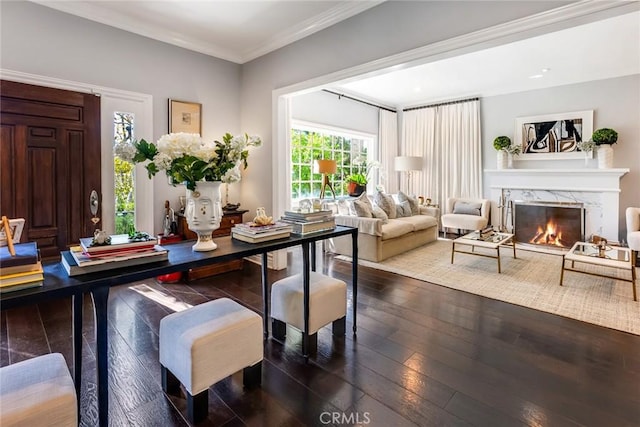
229,206
357,181
587,147
185,117
21,269
553,136
253,232
500,144
309,222
326,167
170,225
604,138
100,238
10,231
183,203
202,166
261,217
408,164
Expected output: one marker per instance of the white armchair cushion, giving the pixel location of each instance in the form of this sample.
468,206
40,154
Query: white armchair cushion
633,228
466,221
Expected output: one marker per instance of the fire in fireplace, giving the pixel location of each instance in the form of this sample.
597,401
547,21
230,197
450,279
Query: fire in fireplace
549,223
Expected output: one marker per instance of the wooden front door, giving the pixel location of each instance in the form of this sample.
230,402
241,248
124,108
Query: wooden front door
49,162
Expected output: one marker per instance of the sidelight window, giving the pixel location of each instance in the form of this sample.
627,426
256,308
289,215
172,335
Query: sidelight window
124,175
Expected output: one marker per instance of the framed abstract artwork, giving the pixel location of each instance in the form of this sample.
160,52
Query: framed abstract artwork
185,117
553,136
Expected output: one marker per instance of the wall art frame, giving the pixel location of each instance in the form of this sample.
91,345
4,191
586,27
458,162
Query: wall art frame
185,116
553,136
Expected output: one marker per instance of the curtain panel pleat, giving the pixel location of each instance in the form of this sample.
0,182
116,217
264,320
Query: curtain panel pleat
448,137
388,148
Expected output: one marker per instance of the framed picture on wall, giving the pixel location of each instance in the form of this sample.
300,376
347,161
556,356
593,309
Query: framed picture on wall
553,136
185,117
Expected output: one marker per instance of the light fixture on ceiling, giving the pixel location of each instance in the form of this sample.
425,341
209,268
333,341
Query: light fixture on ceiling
545,70
536,76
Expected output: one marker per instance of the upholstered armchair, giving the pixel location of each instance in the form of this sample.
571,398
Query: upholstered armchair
466,214
633,228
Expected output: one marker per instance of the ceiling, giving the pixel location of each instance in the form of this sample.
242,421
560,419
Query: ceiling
235,30
240,31
599,50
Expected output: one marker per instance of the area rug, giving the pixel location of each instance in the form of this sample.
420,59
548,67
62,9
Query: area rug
531,280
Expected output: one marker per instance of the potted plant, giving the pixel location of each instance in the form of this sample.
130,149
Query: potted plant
604,138
356,182
500,144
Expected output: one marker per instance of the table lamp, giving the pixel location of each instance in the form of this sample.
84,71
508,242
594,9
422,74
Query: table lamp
408,164
325,167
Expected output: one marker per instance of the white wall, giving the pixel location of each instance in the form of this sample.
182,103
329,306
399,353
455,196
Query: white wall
39,40
327,109
616,104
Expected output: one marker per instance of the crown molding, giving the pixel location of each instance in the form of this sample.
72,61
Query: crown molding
540,23
93,12
310,26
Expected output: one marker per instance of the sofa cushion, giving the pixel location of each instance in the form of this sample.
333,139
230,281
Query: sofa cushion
386,203
403,209
362,208
343,207
467,208
420,222
396,228
413,202
372,226
464,222
377,212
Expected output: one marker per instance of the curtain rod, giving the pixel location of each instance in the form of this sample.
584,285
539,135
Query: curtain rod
341,95
459,101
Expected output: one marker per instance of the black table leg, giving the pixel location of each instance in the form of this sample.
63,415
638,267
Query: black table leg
78,300
265,296
100,297
354,277
305,291
313,256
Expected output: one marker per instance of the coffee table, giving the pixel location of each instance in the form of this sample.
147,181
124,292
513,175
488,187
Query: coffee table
492,240
611,257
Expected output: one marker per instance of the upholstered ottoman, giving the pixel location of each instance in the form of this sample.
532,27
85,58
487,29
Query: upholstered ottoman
206,343
327,303
38,392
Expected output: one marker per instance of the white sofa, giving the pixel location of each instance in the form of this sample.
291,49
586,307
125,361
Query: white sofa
378,241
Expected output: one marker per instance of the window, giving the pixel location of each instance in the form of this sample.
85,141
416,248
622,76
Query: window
310,142
124,176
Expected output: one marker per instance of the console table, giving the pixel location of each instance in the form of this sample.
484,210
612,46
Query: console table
57,284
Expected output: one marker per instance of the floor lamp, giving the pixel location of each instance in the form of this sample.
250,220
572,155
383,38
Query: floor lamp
408,164
326,167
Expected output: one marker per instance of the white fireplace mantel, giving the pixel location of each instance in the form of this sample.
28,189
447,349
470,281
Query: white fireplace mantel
592,180
597,189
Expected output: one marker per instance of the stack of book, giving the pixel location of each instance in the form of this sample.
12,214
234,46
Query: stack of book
253,233
122,252
22,270
309,222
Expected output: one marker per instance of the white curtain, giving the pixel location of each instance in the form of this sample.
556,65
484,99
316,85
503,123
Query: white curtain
388,149
448,138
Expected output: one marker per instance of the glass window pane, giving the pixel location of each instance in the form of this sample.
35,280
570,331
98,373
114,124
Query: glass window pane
124,175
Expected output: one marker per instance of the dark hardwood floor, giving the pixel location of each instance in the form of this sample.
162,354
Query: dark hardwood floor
424,355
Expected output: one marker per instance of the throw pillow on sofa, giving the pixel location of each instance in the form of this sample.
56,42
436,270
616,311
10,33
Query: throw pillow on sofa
403,209
413,202
467,208
377,212
386,203
363,206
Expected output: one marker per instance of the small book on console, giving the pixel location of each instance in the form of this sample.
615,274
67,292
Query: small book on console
26,253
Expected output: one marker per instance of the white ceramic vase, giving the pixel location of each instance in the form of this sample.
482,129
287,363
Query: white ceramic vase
203,212
605,156
501,156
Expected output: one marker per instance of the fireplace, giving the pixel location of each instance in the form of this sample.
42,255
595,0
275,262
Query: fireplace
557,224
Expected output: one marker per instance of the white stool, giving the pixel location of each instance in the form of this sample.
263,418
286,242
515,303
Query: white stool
327,303
206,343
38,392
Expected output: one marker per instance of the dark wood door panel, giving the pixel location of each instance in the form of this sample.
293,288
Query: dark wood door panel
51,156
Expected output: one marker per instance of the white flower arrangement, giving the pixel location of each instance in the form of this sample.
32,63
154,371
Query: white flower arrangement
586,146
187,159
